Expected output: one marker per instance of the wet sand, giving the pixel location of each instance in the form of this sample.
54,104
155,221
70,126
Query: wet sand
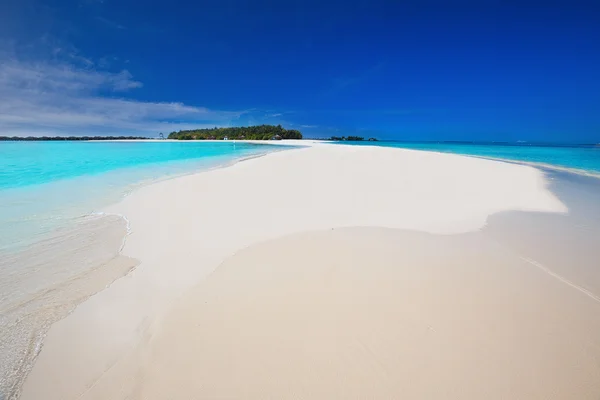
377,313
44,282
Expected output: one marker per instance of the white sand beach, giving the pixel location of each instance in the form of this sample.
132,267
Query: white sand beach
326,272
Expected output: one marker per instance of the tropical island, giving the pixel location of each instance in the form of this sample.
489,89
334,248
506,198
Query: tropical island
67,138
258,132
351,139
348,139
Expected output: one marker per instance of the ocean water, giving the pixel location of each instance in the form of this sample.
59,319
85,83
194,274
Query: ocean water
44,185
57,248
576,158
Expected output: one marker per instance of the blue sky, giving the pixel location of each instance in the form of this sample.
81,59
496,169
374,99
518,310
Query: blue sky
422,70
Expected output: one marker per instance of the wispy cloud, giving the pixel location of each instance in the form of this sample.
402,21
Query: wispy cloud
56,98
309,126
44,78
110,23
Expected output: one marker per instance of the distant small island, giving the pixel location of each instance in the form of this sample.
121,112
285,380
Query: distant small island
259,132
351,138
67,138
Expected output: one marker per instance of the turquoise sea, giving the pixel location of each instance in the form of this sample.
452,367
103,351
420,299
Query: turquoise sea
57,248
44,185
577,158
34,163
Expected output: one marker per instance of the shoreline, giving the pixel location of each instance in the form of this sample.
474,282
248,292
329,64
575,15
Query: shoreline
58,282
77,223
128,188
146,277
312,142
539,165
543,166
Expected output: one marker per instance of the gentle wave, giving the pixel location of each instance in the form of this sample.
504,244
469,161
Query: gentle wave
43,283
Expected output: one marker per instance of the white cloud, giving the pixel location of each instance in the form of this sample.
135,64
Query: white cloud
60,99
44,78
308,126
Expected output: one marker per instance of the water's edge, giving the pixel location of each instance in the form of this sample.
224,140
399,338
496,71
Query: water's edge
93,244
540,166
593,170
62,272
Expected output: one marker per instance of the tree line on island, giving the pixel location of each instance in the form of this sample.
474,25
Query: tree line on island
66,138
351,138
348,139
259,132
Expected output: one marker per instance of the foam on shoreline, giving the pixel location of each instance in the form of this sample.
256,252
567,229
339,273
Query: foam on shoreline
52,278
